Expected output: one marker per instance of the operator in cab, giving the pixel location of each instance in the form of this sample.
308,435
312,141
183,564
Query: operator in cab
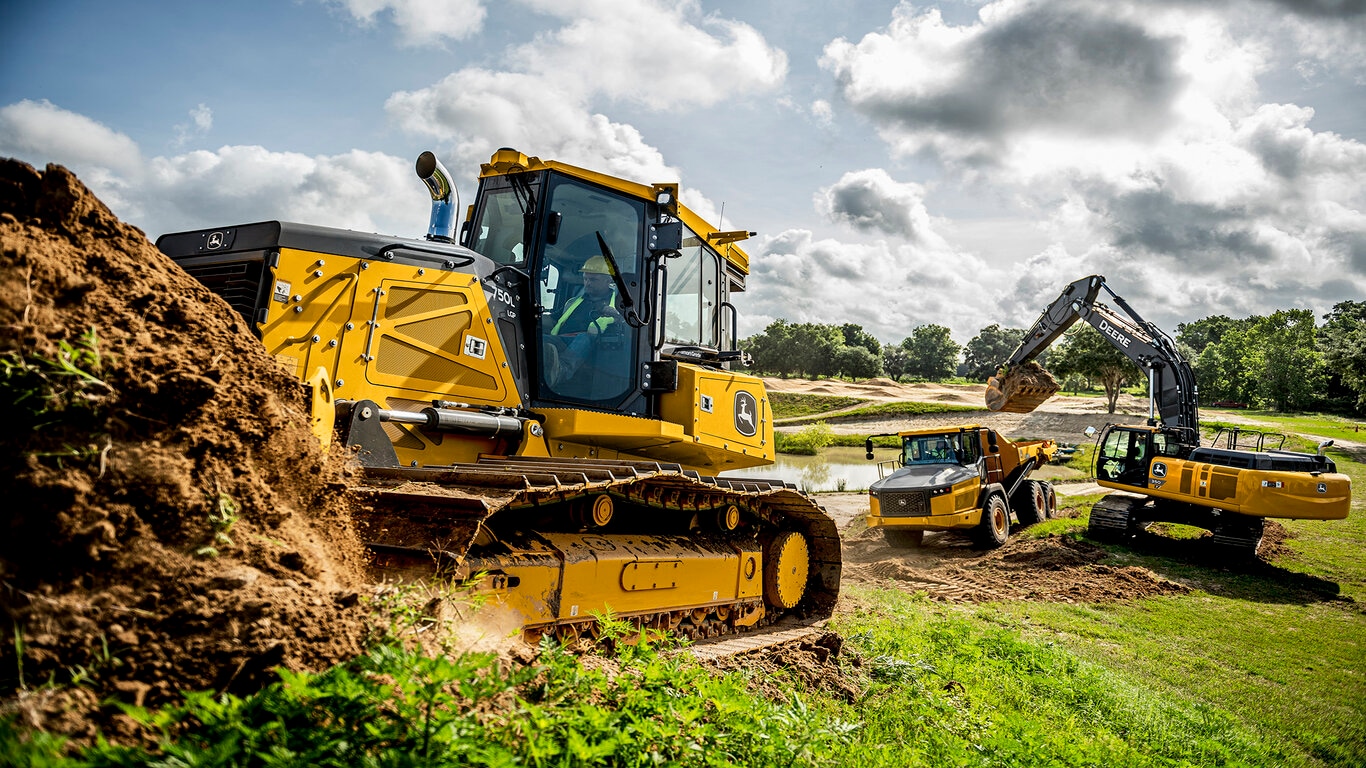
593,310
589,338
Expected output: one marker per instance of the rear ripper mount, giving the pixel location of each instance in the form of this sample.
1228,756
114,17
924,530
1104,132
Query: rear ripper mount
653,544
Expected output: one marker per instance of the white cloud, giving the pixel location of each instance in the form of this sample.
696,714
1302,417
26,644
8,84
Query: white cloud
888,289
367,191
649,53
40,129
870,200
1138,139
822,112
422,22
202,119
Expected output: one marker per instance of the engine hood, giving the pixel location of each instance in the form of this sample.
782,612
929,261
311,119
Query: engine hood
923,477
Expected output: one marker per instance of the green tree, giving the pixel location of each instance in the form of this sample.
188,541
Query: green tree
1288,361
932,352
1198,335
858,363
855,336
1342,340
986,351
896,361
771,349
1085,352
814,348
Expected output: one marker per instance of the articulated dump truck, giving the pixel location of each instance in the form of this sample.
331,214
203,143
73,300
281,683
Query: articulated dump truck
961,478
541,401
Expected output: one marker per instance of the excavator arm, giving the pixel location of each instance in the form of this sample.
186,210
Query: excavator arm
1171,383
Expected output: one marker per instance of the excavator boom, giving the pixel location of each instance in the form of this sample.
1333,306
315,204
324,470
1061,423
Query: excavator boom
1022,385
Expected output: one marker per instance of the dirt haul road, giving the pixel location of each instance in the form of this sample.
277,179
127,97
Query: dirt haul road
173,526
1062,417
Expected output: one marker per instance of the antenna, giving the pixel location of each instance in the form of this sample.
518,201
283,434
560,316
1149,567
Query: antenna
722,218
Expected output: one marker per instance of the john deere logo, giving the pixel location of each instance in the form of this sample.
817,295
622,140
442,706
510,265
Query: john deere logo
746,422
1159,469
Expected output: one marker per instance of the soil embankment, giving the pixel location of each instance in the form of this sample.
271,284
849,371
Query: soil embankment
171,522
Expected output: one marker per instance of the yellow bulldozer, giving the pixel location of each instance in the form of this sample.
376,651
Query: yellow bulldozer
541,400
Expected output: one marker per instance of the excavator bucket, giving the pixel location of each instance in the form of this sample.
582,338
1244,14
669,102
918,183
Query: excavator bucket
1021,389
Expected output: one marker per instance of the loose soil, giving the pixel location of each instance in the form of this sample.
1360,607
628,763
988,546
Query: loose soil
174,526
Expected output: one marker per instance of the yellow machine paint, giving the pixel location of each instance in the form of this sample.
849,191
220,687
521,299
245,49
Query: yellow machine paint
573,473
1251,492
1167,475
960,478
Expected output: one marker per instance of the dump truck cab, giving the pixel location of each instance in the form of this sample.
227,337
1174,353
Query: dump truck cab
960,478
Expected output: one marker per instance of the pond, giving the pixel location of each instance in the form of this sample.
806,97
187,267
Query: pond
823,472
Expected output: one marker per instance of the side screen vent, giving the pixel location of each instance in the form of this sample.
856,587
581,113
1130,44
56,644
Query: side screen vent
237,278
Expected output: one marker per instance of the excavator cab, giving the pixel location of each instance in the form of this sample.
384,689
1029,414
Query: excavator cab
1127,452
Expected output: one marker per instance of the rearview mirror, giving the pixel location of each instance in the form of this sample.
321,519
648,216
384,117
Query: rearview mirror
1090,431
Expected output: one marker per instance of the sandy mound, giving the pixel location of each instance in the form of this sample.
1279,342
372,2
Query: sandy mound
947,568
172,524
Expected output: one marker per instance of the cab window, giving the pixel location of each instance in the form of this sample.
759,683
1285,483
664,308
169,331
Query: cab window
694,294
587,345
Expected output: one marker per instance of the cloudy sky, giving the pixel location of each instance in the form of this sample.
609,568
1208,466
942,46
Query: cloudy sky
904,163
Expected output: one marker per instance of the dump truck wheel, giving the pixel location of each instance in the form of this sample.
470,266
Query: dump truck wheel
900,538
1052,498
994,529
786,570
1030,503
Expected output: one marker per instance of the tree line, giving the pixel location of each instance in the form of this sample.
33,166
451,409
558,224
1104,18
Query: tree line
1284,361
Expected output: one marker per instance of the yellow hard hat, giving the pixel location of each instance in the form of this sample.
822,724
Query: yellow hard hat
596,265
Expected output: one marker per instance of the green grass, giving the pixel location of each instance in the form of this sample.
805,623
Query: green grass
1322,425
793,404
891,410
966,686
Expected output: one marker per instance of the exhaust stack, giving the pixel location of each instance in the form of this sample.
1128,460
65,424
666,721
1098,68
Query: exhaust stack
444,197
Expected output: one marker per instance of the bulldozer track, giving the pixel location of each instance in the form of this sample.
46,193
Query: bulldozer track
421,522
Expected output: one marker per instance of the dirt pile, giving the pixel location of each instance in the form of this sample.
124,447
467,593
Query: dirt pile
816,663
172,523
947,568
1022,389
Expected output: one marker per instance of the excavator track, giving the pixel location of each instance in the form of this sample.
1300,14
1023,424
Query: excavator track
558,542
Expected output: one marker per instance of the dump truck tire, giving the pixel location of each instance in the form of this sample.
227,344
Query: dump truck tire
1030,503
994,529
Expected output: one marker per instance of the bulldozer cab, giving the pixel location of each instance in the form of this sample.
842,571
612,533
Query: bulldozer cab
617,277
580,248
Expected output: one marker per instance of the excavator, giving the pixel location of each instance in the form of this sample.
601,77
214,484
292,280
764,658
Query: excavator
1160,469
568,472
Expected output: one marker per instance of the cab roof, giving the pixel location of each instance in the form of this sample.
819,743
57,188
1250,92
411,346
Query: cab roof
507,161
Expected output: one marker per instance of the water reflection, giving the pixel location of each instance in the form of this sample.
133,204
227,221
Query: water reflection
823,472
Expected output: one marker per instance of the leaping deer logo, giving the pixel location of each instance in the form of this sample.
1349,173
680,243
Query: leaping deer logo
745,406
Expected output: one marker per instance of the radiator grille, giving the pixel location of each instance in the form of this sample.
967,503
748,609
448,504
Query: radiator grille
238,283
904,504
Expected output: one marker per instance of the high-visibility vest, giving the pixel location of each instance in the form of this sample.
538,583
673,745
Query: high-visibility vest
574,305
